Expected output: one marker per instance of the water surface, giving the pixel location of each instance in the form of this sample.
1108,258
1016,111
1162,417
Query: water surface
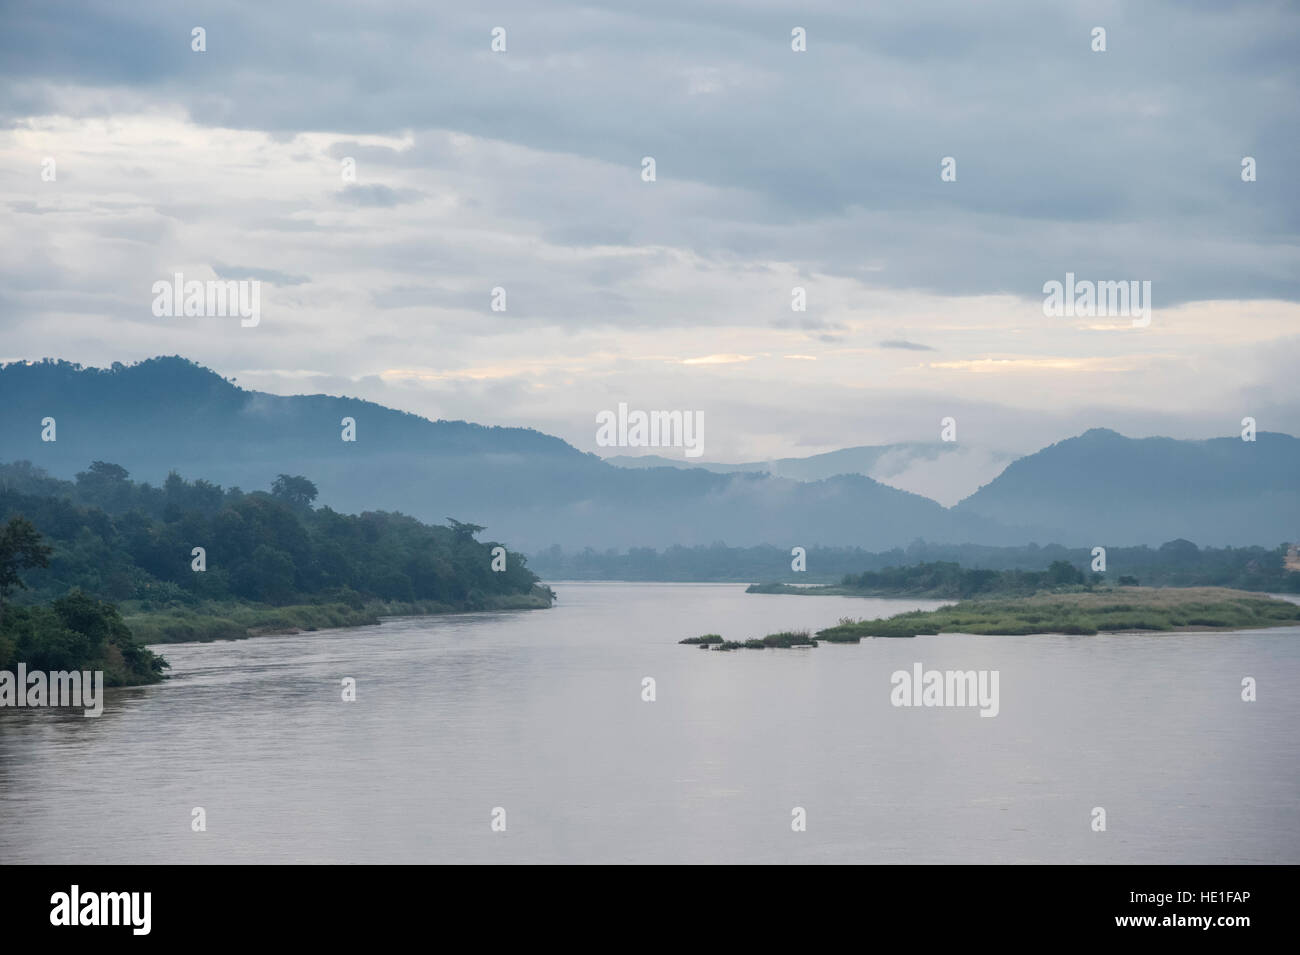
541,713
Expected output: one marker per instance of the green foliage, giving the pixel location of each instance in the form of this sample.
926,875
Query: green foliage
231,620
296,491
131,543
789,638
948,579
20,549
77,632
273,564
1178,563
1083,613
795,638
706,639
1078,612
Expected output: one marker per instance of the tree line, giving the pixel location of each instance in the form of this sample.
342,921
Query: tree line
116,539
1176,563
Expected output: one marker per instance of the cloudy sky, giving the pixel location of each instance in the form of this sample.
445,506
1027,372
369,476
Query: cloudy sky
774,169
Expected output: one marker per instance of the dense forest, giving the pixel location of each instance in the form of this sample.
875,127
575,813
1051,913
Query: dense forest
75,632
947,579
923,566
138,546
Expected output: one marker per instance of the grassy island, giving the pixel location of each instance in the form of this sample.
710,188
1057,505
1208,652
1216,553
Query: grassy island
790,638
1114,610
1122,609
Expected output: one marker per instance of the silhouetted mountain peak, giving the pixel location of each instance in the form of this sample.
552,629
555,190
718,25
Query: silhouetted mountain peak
1098,435
1115,489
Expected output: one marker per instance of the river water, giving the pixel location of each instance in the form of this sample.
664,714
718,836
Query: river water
540,714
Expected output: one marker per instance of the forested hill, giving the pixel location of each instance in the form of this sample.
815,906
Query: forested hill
133,543
168,414
1114,490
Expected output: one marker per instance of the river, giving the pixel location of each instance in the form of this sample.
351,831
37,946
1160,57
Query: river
540,714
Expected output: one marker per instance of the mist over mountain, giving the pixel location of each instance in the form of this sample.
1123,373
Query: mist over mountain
943,471
815,467
528,488
533,490
1105,488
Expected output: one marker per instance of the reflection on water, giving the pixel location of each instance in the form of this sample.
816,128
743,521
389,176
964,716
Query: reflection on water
541,713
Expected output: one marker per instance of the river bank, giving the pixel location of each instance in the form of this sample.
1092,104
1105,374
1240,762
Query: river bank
229,620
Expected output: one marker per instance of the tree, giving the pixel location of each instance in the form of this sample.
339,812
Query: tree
103,472
20,549
294,490
106,485
464,532
1062,572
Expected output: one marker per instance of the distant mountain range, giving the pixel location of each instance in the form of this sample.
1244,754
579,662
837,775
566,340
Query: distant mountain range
943,471
533,490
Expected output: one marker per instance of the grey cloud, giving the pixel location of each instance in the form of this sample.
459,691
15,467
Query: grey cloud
1058,148
406,296
591,234
809,324
30,208
271,276
376,195
284,224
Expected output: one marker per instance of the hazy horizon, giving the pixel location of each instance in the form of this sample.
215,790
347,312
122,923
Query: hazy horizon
946,472
522,169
